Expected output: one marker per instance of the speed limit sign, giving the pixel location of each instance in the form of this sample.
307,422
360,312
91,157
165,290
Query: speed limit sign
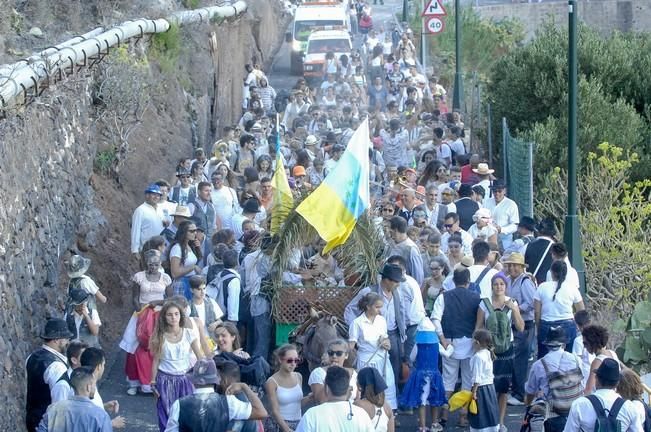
435,25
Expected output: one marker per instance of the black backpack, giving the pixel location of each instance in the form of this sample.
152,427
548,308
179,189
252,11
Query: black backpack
647,417
609,422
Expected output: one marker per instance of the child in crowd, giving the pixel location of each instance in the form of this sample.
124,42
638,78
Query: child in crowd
483,390
582,319
425,385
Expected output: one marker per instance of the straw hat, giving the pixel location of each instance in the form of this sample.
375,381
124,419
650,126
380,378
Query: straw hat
482,169
514,258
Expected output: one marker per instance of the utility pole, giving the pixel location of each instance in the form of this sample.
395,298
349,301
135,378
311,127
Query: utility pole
572,227
405,12
458,85
423,43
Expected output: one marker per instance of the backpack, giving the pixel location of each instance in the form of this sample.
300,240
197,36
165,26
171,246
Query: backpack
499,324
606,423
647,417
226,277
565,387
474,286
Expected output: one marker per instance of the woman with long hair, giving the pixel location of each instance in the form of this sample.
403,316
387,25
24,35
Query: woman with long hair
284,391
171,346
434,174
595,341
185,253
228,340
433,285
455,249
197,173
554,305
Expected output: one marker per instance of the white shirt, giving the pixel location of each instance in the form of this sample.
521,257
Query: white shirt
367,334
237,410
462,346
466,241
572,277
582,415
175,358
412,299
145,223
457,146
190,257
234,287
201,310
61,390
561,307
226,204
486,290
318,377
481,368
335,417
94,317
482,233
505,214
578,349
165,210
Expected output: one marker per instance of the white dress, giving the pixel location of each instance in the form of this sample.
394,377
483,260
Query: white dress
367,336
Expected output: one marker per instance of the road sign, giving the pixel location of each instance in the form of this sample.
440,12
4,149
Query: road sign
434,8
435,25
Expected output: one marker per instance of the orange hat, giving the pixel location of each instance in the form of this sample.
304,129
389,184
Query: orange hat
298,171
410,170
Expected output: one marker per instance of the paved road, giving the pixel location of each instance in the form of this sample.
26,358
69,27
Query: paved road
140,410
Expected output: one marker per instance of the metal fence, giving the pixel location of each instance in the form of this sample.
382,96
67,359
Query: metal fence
517,159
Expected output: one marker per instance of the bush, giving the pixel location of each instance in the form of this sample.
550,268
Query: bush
528,86
166,48
614,215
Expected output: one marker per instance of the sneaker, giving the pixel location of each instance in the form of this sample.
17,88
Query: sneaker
436,427
503,428
132,391
513,401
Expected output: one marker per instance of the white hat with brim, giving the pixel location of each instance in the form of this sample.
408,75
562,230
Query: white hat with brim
482,169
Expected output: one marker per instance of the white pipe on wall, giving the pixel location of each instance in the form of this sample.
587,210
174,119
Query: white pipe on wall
32,71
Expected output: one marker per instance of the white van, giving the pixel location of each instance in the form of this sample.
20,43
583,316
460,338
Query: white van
310,17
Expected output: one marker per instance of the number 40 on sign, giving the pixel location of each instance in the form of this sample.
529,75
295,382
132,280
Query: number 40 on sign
434,25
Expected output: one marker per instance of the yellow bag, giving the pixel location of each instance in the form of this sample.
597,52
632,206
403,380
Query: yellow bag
459,400
472,408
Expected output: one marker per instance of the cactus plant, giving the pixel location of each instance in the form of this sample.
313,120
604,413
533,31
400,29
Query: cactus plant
636,349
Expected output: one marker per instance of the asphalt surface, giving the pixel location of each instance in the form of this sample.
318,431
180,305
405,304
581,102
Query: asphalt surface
140,410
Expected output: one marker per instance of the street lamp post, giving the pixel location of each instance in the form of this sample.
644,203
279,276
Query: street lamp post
458,85
572,227
405,11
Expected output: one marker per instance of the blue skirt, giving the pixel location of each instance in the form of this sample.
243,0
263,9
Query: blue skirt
423,386
487,409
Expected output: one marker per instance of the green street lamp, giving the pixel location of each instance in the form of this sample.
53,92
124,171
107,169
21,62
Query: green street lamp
405,11
458,84
572,226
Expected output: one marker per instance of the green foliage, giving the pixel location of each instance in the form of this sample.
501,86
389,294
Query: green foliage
483,42
104,161
636,349
191,4
614,215
528,86
166,48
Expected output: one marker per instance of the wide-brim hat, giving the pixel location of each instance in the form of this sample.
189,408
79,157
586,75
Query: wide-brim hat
182,211
77,266
311,140
204,373
466,262
77,296
482,169
56,328
392,272
514,258
555,337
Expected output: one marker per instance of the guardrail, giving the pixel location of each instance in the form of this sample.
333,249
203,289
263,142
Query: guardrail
42,68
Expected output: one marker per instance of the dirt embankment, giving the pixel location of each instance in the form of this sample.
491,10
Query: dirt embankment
54,200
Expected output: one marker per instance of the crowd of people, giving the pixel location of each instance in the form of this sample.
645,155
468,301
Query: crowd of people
469,294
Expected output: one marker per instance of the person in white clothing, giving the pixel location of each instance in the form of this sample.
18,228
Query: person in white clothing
337,354
337,414
559,253
451,226
583,414
224,199
202,306
146,222
95,359
505,213
481,271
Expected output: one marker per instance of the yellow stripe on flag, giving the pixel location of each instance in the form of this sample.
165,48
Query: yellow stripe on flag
283,198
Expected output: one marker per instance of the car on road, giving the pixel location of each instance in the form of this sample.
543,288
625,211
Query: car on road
308,18
318,45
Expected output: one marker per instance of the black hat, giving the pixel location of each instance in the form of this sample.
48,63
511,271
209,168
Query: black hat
252,205
331,138
555,337
392,272
370,376
56,328
498,185
77,296
527,223
608,371
547,227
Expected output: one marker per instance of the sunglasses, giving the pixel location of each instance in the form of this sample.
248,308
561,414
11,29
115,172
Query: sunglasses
446,193
387,209
333,353
184,176
435,268
448,225
192,230
293,360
